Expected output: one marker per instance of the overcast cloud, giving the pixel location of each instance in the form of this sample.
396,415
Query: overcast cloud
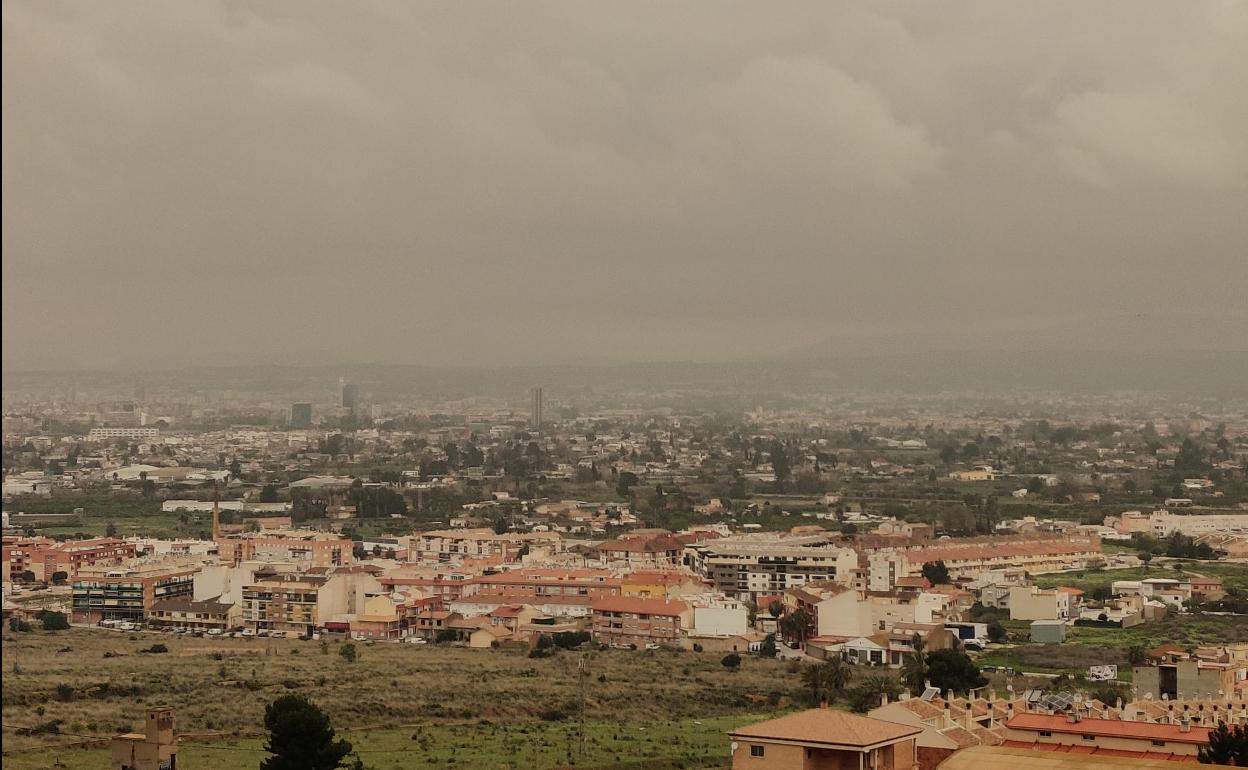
533,182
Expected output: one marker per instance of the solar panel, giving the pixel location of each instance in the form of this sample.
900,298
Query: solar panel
1057,701
929,693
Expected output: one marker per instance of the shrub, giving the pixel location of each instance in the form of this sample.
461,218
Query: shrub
52,621
731,661
156,648
64,693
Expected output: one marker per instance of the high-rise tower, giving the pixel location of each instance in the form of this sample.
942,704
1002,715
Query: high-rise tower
536,417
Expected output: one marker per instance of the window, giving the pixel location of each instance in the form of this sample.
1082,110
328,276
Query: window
1046,733
1089,737
756,751
1159,743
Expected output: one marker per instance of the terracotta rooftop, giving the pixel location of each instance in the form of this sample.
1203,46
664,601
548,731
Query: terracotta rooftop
1110,728
828,727
639,606
1078,756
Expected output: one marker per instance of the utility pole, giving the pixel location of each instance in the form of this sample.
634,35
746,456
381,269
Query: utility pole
583,673
17,667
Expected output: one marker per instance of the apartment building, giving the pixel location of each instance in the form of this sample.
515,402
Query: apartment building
301,603
642,552
746,567
626,620
128,592
305,547
45,557
546,583
457,545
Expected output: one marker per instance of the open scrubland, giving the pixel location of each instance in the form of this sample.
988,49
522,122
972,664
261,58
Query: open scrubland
421,705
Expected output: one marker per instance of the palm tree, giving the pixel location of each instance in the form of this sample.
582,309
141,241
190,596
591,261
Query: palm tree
812,677
914,669
836,675
827,679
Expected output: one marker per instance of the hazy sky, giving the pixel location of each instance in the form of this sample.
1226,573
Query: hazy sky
529,182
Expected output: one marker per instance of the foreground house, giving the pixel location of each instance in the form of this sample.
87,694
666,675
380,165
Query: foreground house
823,738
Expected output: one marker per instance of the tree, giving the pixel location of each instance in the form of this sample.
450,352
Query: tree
870,692
53,621
59,577
827,679
268,494
348,652
1136,654
1146,557
780,462
775,608
110,530
1227,745
997,632
795,625
626,481
953,670
26,576
731,661
300,737
936,573
768,648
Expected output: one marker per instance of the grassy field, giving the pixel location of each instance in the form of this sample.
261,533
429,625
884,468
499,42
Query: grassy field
130,516
1234,575
458,707
1101,646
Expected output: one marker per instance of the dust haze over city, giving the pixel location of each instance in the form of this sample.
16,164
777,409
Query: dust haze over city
623,385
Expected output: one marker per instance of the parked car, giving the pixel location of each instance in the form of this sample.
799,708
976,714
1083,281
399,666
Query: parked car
277,634
415,640
249,632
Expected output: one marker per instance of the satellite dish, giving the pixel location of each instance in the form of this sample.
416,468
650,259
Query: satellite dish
734,747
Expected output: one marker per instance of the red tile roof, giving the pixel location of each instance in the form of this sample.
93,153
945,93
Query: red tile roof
639,606
1110,728
828,727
